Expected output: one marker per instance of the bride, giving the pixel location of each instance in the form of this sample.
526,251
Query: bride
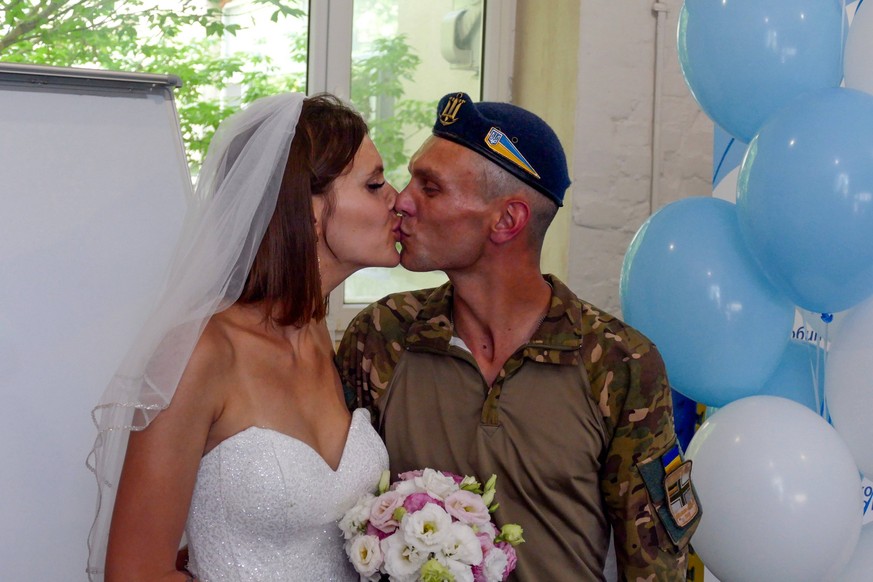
239,434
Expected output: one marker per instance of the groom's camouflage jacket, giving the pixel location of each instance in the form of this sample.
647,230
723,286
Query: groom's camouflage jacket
577,426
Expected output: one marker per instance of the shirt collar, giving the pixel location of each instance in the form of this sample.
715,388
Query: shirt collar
557,339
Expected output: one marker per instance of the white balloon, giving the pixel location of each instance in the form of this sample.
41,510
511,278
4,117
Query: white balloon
849,383
860,567
858,55
779,490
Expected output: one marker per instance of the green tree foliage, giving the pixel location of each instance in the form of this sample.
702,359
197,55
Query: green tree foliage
185,40
133,35
377,92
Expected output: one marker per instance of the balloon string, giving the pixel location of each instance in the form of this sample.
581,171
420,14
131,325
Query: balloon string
818,391
827,318
723,156
843,36
816,384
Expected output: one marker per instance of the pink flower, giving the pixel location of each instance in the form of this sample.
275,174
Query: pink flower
410,475
382,511
467,508
511,558
416,501
373,531
486,541
494,567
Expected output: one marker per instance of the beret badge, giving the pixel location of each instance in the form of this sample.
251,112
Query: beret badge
449,114
500,132
503,146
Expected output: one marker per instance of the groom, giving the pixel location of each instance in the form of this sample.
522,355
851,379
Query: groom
504,370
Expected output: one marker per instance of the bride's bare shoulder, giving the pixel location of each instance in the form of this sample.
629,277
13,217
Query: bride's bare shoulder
234,325
217,352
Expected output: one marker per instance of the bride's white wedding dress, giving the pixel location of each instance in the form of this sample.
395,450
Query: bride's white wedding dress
266,506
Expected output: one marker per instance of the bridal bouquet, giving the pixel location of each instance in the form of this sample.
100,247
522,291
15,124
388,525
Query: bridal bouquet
431,526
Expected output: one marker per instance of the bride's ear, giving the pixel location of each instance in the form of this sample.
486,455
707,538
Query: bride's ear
317,214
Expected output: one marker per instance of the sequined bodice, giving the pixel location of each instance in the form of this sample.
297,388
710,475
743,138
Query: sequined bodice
266,505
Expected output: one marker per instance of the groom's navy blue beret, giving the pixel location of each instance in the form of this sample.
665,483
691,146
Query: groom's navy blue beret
513,138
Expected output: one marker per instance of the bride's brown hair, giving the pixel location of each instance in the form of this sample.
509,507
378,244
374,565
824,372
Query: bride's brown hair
284,276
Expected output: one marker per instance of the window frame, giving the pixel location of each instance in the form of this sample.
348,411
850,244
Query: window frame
329,69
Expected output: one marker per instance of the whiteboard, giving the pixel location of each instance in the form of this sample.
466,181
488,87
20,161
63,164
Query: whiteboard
93,191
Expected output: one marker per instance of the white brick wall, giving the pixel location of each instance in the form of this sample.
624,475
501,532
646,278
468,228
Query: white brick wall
612,153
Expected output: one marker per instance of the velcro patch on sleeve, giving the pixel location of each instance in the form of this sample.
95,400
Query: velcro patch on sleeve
671,492
681,499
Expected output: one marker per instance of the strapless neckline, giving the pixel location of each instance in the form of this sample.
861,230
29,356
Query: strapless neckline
266,505
355,420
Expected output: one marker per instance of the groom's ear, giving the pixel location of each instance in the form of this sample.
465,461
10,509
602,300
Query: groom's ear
513,219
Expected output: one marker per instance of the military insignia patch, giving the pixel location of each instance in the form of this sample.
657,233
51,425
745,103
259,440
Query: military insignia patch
499,143
449,114
680,497
671,493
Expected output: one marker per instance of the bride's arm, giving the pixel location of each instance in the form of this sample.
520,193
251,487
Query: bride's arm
160,470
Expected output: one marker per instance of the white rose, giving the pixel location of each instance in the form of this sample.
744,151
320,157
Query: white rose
488,528
462,545
352,523
467,508
461,572
436,483
365,554
401,559
428,528
406,488
495,565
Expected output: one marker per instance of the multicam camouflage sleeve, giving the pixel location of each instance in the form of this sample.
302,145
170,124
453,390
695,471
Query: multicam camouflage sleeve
371,348
650,501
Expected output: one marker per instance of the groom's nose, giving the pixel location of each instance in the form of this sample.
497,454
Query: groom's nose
403,204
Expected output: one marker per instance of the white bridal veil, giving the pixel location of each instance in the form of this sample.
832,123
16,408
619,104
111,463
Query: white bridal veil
233,202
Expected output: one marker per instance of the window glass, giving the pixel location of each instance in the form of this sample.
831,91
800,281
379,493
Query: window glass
406,54
274,43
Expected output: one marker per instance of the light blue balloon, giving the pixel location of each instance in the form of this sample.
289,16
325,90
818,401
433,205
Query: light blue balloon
799,376
689,284
805,199
744,59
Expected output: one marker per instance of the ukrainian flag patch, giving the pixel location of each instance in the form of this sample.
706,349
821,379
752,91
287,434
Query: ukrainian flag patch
671,459
499,143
